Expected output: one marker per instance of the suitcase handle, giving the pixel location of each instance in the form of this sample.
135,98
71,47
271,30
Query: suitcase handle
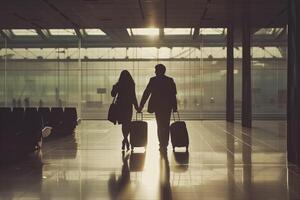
136,116
177,115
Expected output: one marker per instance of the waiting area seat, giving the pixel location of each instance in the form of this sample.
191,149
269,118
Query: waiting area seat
21,128
45,112
63,121
70,118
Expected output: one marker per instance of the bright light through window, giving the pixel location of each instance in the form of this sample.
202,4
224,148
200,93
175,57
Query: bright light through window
144,31
177,31
21,32
62,31
94,31
212,31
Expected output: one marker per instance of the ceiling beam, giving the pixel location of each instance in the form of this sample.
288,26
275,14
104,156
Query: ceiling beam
117,34
161,34
43,33
141,9
79,33
283,51
271,60
7,34
196,33
101,42
281,33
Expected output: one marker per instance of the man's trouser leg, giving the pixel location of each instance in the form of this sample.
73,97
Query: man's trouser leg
163,123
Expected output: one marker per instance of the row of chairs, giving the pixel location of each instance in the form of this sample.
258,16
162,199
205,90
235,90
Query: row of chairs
21,128
62,120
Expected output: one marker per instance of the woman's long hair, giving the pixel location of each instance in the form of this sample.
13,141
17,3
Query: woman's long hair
125,79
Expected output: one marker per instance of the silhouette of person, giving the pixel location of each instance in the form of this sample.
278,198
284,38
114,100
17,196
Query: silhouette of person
162,101
14,103
26,102
41,103
124,89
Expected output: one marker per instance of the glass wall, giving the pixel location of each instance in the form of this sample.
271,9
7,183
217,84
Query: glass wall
83,77
269,73
200,85
32,81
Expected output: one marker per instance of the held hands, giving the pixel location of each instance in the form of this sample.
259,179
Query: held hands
138,109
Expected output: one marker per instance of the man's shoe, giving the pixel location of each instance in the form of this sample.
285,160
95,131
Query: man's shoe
163,149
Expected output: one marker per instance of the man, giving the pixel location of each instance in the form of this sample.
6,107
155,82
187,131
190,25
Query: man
162,101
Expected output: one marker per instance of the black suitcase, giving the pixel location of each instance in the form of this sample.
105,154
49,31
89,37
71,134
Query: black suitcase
138,133
179,134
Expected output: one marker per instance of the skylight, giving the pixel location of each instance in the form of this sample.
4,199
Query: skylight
264,31
268,31
94,31
25,32
144,31
177,31
212,31
62,31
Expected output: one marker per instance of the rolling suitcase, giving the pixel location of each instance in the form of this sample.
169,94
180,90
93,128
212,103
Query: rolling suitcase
138,133
179,133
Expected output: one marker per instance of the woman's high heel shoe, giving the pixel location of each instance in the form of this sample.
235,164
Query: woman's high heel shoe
127,145
123,145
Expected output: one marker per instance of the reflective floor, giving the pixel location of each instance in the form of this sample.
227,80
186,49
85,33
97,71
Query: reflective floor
225,162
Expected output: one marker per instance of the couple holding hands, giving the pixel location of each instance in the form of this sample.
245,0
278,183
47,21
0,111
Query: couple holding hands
162,92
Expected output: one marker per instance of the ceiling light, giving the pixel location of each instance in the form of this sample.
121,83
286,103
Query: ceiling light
21,32
177,31
94,31
212,31
62,31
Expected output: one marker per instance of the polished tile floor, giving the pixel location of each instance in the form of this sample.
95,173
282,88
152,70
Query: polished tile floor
225,162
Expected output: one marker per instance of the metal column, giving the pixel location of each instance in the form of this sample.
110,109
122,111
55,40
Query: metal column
293,99
230,76
246,74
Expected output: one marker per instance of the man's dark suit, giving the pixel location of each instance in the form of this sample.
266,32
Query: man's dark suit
163,99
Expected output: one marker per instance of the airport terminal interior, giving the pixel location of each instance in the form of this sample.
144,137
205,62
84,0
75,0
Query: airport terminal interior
235,64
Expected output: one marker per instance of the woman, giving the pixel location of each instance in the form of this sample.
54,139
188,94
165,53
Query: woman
124,89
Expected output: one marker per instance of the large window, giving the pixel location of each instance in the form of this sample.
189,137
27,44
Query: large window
83,77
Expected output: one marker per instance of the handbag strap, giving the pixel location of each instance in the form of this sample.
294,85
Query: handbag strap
114,99
177,115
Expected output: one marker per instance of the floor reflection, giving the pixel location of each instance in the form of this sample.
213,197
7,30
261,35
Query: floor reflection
61,148
117,184
137,161
230,141
247,161
181,163
293,182
165,186
224,162
22,179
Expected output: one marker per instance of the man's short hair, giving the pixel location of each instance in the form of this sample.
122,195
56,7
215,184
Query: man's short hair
160,69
